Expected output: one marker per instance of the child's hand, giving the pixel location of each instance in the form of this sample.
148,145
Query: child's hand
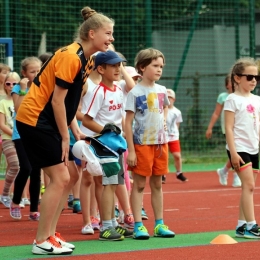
236,160
23,83
131,159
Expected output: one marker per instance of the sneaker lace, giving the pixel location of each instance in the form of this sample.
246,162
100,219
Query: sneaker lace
58,235
142,228
161,226
54,242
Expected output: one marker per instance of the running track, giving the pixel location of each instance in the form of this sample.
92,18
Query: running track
197,211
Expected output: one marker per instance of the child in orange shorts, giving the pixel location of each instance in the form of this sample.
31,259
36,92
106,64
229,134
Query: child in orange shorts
146,105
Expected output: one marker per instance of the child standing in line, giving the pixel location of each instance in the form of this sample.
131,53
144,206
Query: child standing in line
218,112
4,70
126,88
147,144
6,126
173,121
241,111
30,66
106,106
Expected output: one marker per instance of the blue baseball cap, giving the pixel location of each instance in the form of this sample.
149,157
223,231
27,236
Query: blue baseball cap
108,57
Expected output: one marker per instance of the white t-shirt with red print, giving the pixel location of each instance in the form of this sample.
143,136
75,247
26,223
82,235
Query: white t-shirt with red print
246,124
104,105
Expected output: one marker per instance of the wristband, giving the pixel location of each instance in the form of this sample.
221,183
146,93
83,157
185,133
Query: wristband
22,93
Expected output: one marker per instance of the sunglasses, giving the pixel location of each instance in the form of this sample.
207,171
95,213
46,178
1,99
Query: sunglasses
249,77
10,83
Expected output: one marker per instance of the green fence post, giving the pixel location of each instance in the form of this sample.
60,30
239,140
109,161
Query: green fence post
236,15
187,46
252,28
148,23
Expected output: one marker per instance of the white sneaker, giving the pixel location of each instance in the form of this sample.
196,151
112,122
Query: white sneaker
26,201
236,181
62,241
6,200
22,204
50,247
222,177
87,230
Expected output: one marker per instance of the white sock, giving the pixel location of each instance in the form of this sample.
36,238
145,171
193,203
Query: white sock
250,224
240,223
114,222
106,224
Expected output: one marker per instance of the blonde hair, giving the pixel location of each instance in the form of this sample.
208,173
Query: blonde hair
239,68
25,62
4,66
145,57
13,75
92,21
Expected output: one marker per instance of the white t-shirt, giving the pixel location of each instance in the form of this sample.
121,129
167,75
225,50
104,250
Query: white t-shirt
246,125
173,118
148,105
91,87
104,105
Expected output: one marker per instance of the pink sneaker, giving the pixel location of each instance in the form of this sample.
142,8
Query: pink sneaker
15,212
129,221
35,216
95,223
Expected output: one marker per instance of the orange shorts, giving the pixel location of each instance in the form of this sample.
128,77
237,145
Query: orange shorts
151,160
174,146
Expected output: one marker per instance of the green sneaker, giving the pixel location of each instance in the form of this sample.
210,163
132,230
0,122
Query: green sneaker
163,231
124,231
141,233
110,234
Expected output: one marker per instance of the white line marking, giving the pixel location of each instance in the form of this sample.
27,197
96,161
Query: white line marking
198,191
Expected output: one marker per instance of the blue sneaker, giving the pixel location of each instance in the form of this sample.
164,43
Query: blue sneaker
253,232
76,206
240,231
144,215
162,230
141,233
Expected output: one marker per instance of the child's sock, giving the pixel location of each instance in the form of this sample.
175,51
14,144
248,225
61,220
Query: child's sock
177,173
250,224
114,222
158,221
106,224
137,225
240,223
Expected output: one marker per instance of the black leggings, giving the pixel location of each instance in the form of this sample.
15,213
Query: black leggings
25,171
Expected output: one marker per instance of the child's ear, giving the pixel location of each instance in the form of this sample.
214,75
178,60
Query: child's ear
100,69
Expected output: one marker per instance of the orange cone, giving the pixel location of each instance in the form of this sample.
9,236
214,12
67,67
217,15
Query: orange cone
223,239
